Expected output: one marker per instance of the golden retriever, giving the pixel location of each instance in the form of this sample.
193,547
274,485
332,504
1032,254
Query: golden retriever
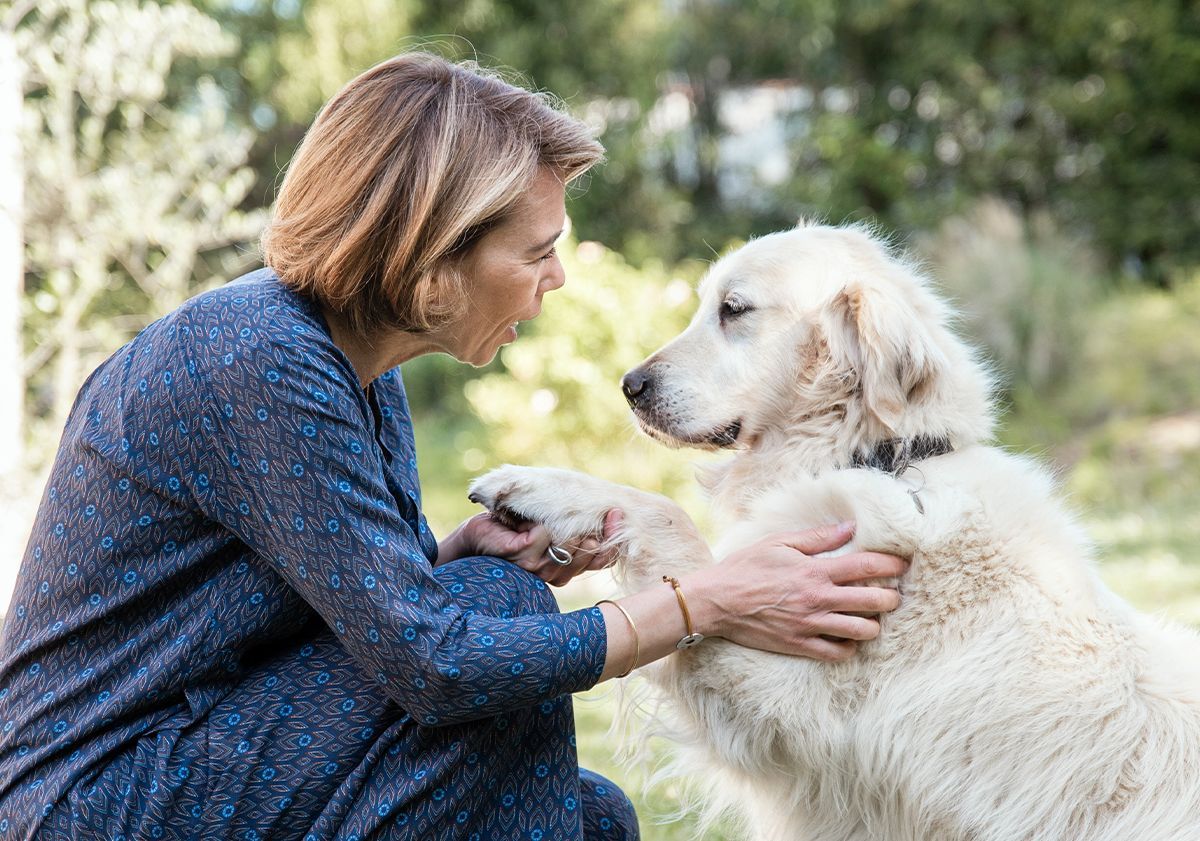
1011,697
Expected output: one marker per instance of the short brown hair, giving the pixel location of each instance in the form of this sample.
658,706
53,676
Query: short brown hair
405,168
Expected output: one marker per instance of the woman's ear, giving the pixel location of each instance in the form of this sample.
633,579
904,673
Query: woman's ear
882,337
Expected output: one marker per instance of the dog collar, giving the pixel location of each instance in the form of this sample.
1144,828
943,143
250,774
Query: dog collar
894,455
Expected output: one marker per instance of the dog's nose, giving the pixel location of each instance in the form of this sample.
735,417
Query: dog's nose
636,385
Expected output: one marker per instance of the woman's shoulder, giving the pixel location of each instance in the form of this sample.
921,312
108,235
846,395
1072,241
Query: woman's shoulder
256,321
251,336
257,305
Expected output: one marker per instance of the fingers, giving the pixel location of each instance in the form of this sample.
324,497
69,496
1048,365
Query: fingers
539,541
592,556
590,553
528,544
529,548
586,554
862,566
600,553
820,539
848,627
613,521
560,577
830,651
870,600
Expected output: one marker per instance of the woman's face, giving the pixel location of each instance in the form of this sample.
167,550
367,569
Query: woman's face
508,271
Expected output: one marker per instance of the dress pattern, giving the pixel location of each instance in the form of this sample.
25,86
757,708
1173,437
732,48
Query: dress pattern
227,622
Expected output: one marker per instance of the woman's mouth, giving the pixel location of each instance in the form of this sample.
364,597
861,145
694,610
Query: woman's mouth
514,328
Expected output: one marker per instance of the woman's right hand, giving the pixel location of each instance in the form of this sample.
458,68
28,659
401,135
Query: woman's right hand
774,596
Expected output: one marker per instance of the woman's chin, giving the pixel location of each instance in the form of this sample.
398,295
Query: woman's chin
507,337
481,355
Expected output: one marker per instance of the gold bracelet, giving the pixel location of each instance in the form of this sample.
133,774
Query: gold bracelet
692,638
637,643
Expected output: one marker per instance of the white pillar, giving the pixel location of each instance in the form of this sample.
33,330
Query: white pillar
12,264
15,508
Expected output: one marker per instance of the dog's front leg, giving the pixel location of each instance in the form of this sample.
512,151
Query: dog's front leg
656,537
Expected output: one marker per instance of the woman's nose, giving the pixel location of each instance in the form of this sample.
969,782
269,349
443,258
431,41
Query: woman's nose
556,276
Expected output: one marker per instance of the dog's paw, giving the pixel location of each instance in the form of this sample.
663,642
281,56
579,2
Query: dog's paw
508,492
655,536
570,505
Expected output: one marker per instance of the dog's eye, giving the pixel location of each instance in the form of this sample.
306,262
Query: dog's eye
732,308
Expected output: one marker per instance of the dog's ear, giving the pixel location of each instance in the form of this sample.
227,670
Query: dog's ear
882,338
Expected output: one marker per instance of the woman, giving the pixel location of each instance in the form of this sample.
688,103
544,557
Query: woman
232,620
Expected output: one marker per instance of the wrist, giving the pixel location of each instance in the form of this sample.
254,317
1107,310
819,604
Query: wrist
704,603
454,545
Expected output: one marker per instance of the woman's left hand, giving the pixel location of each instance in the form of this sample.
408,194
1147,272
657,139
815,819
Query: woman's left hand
528,546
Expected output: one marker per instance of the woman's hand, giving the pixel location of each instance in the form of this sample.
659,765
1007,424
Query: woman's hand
528,546
775,597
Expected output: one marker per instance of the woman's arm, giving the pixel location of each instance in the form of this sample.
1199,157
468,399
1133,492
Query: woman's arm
770,596
280,453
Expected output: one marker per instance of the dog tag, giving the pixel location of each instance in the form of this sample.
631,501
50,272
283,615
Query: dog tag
917,501
689,641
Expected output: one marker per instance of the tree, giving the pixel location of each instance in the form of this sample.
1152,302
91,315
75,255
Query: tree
916,108
125,195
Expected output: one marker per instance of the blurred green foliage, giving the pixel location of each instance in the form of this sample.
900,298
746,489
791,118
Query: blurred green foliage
1125,425
127,188
557,400
1022,286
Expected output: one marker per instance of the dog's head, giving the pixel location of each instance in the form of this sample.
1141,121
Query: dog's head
816,328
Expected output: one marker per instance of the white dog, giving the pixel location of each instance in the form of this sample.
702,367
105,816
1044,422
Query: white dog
1011,697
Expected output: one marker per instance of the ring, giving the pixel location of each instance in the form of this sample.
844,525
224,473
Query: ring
559,555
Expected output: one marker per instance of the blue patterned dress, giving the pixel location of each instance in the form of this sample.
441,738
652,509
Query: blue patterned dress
227,623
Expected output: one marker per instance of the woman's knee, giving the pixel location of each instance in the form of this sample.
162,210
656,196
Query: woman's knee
608,814
496,587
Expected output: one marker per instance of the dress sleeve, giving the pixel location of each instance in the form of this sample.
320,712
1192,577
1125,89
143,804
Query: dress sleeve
282,454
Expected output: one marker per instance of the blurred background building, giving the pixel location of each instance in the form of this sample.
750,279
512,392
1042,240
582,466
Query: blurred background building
1044,159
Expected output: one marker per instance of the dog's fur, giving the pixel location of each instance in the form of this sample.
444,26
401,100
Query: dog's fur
1011,697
